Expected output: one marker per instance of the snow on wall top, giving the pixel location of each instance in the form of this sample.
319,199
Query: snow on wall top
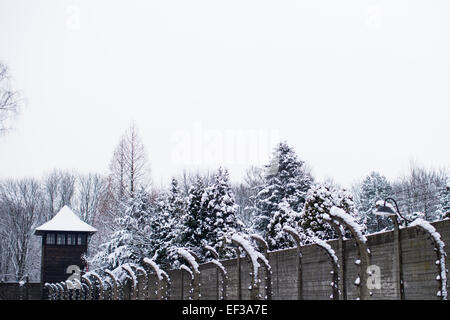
65,220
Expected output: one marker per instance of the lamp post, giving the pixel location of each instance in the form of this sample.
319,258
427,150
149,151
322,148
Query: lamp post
386,210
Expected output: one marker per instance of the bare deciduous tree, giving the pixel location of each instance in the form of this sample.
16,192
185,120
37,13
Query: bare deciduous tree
129,166
91,191
20,206
9,99
420,190
59,190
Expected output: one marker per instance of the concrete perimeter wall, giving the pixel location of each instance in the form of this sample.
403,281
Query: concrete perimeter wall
418,263
417,254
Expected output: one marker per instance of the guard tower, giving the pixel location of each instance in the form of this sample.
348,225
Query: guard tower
64,242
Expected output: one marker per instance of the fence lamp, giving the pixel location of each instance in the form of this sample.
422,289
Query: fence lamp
384,208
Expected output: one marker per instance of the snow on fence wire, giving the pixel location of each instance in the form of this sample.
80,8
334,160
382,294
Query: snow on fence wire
131,281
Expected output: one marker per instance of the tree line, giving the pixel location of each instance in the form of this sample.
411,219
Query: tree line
135,219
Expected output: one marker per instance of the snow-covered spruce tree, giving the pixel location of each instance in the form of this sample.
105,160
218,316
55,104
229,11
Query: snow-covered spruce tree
127,244
176,202
285,178
193,227
373,188
175,206
444,200
221,219
284,216
320,199
162,228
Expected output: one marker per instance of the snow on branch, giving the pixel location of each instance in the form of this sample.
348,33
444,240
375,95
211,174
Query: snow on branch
425,225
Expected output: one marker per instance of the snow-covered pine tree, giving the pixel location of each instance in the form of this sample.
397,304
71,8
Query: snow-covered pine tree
373,188
444,200
221,219
319,200
163,227
286,178
127,243
176,207
193,227
284,216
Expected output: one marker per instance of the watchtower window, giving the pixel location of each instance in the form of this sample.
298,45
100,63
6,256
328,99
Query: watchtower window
50,238
61,239
71,239
81,239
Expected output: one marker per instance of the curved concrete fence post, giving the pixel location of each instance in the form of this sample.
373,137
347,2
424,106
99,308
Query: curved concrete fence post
193,264
439,248
49,291
115,285
334,264
89,290
398,258
54,291
347,221
188,270
65,292
268,276
141,275
341,258
297,239
79,290
70,287
60,294
255,258
133,279
166,286
219,269
101,289
85,291
162,280
238,270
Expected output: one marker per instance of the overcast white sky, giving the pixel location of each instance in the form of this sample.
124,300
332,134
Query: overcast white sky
353,86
